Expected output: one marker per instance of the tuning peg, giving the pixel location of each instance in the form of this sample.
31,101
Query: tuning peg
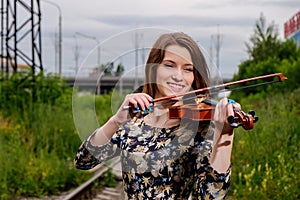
252,112
230,119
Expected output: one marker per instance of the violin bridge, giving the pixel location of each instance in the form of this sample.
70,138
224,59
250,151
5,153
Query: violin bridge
200,98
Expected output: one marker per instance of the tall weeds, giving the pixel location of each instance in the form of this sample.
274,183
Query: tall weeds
38,139
266,160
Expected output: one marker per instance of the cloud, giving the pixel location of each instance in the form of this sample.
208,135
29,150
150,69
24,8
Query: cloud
169,20
282,4
234,19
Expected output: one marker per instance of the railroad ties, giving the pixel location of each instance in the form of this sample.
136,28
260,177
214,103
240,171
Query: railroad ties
115,193
108,193
87,192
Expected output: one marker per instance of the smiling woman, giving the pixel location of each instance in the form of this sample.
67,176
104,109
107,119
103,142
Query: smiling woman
177,51
175,73
165,158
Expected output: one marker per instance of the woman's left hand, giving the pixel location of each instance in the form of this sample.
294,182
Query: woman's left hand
223,135
223,109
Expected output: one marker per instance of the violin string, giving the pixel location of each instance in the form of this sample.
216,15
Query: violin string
254,85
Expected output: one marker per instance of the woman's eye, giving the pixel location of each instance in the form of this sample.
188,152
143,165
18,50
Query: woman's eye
168,65
188,69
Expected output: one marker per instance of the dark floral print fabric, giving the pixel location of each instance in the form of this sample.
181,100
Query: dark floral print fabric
161,163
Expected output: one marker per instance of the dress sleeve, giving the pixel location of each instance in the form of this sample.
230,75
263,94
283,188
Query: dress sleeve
88,155
211,184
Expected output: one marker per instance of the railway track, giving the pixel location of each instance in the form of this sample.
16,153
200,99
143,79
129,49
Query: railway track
88,191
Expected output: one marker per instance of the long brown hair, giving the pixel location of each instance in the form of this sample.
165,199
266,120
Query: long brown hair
157,53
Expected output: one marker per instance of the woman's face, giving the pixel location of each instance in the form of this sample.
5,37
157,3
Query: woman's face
175,73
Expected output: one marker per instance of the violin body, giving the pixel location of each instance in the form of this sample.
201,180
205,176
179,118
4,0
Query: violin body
204,112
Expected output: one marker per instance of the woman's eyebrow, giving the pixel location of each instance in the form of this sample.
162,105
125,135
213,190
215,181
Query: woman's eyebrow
167,60
171,61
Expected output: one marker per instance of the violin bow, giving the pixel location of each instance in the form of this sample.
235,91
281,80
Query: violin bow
280,77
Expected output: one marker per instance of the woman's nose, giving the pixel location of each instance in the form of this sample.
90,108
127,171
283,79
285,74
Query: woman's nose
177,75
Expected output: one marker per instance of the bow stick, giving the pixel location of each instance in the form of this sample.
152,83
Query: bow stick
280,76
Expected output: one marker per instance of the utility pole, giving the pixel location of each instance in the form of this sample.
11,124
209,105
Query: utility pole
59,35
217,40
76,55
98,45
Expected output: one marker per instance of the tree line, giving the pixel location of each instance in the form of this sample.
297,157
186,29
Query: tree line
268,54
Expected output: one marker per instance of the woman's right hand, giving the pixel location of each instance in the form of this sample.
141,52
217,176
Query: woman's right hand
135,102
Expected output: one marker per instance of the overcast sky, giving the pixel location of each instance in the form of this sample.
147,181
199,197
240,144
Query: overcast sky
112,24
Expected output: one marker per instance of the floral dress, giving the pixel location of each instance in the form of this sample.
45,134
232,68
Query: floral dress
161,163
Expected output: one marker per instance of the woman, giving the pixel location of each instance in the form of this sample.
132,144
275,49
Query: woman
165,158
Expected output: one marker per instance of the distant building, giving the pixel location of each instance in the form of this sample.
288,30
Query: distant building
292,28
4,62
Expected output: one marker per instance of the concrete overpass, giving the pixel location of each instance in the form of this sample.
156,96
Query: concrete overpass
104,85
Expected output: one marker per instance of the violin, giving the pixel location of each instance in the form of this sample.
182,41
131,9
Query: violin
203,108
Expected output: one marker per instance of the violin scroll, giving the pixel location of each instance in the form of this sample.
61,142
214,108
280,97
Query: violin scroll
240,118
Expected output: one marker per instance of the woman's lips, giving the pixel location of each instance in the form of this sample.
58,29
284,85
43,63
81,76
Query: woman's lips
175,87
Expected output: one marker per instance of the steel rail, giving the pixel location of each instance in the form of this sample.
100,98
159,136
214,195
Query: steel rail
86,186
